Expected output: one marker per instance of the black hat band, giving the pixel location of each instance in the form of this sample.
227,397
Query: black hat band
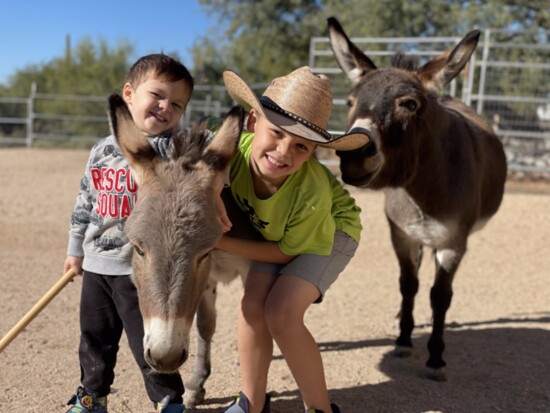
269,104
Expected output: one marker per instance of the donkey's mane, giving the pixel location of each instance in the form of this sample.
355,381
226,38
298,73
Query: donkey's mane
402,61
190,144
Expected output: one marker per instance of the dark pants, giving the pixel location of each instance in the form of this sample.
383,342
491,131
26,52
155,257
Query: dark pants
109,305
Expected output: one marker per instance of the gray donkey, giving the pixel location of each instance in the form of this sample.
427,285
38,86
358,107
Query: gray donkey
174,229
440,165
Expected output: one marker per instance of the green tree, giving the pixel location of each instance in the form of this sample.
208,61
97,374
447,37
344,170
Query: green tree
262,40
88,70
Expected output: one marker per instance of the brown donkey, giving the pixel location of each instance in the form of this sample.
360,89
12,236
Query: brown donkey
440,165
174,228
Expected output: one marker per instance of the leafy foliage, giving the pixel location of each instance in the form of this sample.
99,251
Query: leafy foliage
87,70
266,39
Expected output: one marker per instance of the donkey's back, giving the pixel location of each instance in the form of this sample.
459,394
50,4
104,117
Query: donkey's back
455,174
487,160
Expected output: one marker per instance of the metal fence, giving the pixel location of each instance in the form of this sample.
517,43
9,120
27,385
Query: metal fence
29,123
507,81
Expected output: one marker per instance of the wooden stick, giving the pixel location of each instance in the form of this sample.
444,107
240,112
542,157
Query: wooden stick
39,306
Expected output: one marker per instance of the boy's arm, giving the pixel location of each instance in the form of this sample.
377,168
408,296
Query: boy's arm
80,218
220,205
222,214
265,251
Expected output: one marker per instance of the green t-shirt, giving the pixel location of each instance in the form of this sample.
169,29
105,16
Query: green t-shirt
306,210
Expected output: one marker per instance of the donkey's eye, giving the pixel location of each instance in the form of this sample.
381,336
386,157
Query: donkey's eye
351,101
409,104
205,255
138,251
203,258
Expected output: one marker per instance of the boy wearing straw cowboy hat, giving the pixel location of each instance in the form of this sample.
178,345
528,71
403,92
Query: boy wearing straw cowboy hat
309,223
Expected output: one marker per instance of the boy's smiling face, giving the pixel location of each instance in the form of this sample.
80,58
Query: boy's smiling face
157,105
275,153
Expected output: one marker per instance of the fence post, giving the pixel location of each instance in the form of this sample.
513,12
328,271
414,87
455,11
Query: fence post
30,116
186,120
207,104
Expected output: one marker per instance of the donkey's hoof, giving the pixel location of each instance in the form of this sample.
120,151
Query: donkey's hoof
436,374
402,351
193,398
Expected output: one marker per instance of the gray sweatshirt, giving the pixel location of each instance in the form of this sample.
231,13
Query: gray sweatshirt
107,195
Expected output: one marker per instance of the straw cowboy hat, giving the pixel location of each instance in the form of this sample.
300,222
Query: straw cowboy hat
300,103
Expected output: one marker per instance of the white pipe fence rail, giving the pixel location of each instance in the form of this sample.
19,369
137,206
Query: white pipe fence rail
504,61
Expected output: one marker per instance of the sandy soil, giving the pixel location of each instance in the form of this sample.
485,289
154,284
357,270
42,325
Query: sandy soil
498,332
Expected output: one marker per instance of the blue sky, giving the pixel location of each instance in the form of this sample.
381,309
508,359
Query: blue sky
34,31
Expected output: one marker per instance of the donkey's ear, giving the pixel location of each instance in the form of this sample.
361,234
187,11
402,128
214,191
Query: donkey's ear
442,69
353,62
224,144
133,144
117,109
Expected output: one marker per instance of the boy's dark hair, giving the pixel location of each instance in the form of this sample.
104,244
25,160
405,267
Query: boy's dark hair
160,65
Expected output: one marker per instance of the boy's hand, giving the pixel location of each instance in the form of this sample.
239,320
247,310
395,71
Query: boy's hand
223,218
73,262
222,214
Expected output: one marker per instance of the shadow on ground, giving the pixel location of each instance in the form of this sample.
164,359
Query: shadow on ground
516,348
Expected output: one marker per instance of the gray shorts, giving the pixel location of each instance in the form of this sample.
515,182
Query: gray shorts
320,270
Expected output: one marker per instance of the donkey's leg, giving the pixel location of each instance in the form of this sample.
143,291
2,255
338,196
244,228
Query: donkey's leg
409,256
441,293
206,325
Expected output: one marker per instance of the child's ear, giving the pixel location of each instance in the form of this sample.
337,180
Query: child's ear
251,121
127,93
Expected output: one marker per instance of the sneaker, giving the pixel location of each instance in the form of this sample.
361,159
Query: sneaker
164,406
240,405
84,401
333,407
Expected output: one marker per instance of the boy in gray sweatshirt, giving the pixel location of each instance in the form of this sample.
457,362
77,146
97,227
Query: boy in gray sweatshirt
157,89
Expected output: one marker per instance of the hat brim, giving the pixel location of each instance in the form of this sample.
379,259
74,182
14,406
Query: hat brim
243,95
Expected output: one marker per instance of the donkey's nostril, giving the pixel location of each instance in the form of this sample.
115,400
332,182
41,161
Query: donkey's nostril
147,355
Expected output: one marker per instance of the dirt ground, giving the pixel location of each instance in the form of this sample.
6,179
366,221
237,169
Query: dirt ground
498,333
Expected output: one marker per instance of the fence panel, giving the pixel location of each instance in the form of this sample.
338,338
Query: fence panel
513,62
512,75
508,82
13,121
35,118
